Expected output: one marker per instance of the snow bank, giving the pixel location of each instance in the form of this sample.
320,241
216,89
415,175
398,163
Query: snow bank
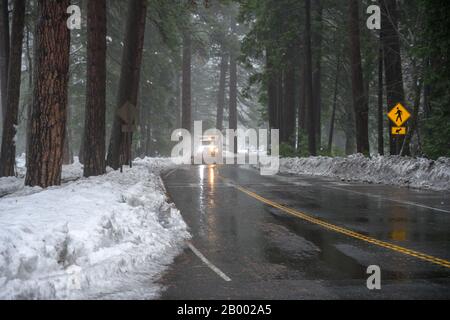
392,170
13,184
104,237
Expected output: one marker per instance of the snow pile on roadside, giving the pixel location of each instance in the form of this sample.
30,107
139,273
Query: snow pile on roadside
393,170
10,185
103,237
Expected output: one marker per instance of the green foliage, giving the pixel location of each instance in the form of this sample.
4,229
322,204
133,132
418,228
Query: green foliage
436,50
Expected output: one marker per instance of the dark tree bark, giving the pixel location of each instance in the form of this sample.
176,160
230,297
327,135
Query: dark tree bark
233,113
317,69
233,121
380,101
94,129
67,151
280,102
393,65
4,54
289,101
8,150
30,88
414,127
221,94
312,146
302,94
360,103
335,97
271,92
48,122
119,151
186,94
178,99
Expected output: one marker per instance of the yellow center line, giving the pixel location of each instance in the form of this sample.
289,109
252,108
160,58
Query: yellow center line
347,232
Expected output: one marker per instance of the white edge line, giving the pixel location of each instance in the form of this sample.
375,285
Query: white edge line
393,200
170,173
208,263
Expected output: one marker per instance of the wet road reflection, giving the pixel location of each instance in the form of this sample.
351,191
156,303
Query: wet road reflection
270,254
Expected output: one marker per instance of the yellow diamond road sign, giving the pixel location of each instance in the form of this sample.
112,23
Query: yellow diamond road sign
399,115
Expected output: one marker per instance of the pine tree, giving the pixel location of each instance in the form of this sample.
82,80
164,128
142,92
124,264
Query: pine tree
48,121
94,132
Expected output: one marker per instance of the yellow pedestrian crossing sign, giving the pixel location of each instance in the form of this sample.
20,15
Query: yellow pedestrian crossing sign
399,115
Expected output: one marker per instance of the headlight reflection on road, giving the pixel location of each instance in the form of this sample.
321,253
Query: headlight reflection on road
212,176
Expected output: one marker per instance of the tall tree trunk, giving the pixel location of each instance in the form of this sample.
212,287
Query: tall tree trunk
280,102
308,82
317,69
233,114
414,127
50,94
393,64
119,151
94,129
360,103
178,99
186,98
4,55
380,101
67,151
221,95
8,150
271,92
30,88
302,94
289,101
335,97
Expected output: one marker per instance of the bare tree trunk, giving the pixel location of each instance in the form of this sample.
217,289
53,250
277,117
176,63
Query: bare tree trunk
302,95
271,92
94,129
4,54
309,85
67,152
360,103
10,123
317,69
289,101
119,151
233,120
186,99
335,97
418,83
380,101
30,88
393,64
221,95
48,122
178,99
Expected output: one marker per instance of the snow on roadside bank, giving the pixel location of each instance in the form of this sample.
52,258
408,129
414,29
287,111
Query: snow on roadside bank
10,185
392,170
104,237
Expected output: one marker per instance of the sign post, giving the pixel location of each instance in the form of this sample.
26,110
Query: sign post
128,114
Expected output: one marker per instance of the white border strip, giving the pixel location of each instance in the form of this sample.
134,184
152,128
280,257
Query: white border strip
208,263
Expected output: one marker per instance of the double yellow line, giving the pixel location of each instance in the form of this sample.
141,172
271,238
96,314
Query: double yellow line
347,232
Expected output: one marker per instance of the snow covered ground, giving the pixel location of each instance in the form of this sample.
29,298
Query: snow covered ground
12,184
107,237
391,170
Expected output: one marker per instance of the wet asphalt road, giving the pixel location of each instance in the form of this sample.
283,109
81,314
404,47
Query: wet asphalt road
270,254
